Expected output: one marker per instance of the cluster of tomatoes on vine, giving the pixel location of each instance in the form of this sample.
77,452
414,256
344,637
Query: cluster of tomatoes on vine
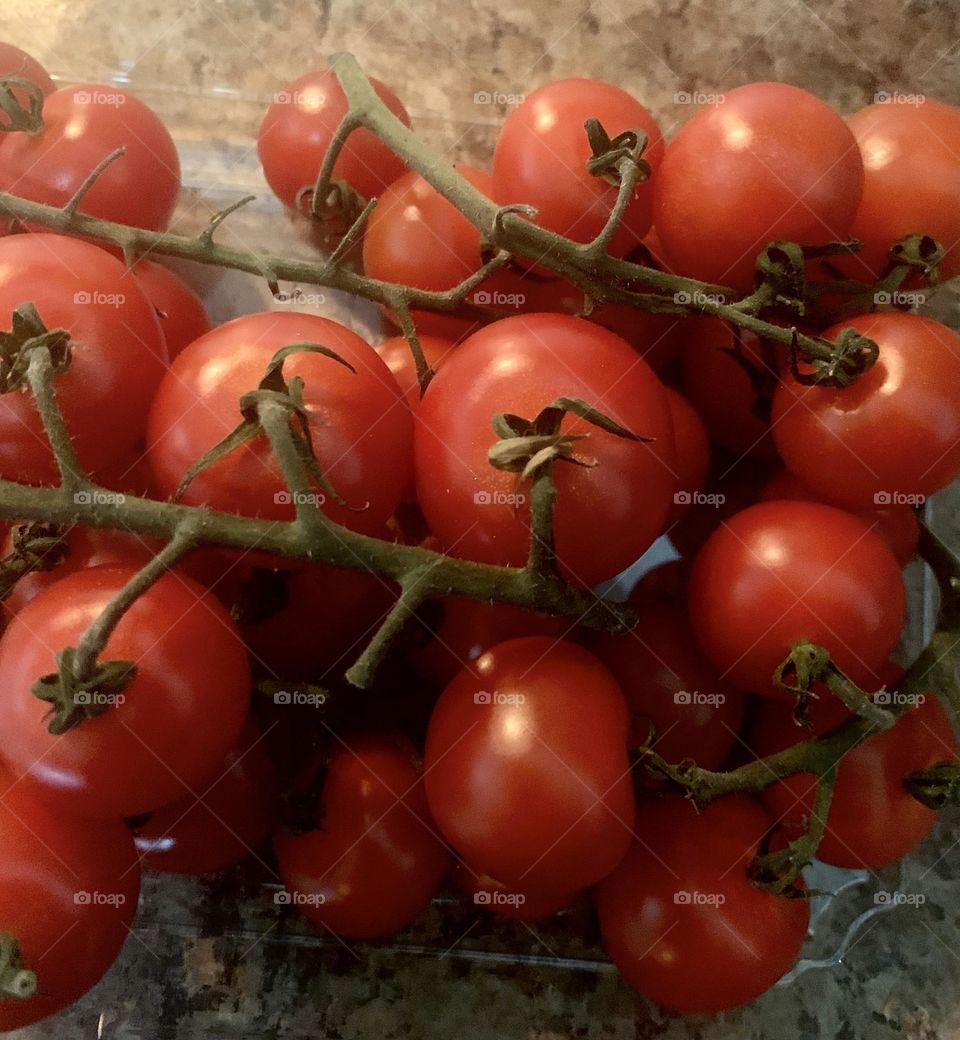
792,505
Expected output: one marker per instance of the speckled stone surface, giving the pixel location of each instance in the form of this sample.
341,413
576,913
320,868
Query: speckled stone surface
205,963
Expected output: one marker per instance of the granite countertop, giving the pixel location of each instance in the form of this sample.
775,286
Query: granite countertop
208,66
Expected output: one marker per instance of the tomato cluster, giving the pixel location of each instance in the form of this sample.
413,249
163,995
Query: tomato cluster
508,750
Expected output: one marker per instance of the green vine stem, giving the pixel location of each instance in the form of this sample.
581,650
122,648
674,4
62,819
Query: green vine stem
16,981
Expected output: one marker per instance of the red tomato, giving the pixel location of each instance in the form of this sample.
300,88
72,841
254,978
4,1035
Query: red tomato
897,525
782,572
692,452
873,818
680,917
520,783
541,154
82,547
83,124
361,430
299,126
731,383
672,688
375,860
893,436
521,365
396,352
219,824
911,163
500,899
117,356
772,162
470,627
68,894
324,617
182,317
179,716
15,62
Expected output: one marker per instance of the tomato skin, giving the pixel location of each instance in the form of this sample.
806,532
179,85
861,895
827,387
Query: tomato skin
520,787
375,860
85,547
361,430
692,452
696,956
897,525
521,365
222,822
117,359
83,124
893,436
873,819
182,316
772,162
399,358
180,715
781,572
300,124
541,153
662,672
911,161
68,892
500,899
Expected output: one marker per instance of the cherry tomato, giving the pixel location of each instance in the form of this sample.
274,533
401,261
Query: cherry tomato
15,62
68,894
323,618
182,317
671,688
360,429
82,547
772,162
179,716
541,154
730,381
783,572
893,436
117,354
911,163
399,358
487,894
83,124
526,766
300,124
680,917
375,860
692,452
521,365
471,627
222,822
873,818
897,525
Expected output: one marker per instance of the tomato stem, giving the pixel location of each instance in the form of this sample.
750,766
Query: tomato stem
16,981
